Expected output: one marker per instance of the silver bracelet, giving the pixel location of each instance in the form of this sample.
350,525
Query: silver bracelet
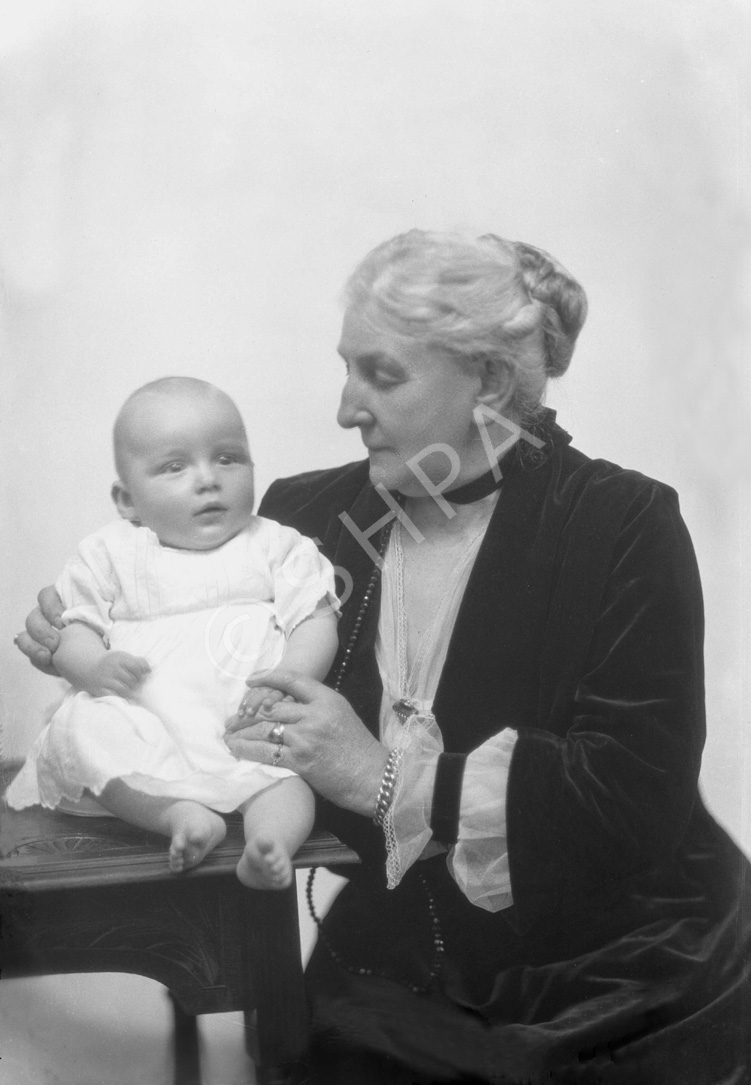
386,790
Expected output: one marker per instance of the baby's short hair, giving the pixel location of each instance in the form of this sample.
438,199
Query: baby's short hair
162,386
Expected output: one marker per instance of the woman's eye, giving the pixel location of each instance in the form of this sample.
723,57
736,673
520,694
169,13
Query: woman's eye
384,380
373,374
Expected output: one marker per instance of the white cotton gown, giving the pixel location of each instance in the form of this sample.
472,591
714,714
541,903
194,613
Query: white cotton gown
204,620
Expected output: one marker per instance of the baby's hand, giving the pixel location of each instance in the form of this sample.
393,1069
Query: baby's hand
259,700
117,673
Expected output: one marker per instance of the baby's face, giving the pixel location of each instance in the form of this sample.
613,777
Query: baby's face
188,473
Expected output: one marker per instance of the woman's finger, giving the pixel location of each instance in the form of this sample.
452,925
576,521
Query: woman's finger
299,686
282,712
266,753
264,718
246,749
37,654
252,701
51,606
254,730
40,630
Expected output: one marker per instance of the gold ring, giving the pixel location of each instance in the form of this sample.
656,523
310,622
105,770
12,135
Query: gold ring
278,754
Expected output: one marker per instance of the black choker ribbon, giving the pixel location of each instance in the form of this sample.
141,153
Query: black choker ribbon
476,489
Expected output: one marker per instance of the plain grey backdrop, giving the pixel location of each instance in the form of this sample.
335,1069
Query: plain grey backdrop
184,188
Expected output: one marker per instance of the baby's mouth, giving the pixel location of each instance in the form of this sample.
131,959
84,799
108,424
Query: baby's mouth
209,510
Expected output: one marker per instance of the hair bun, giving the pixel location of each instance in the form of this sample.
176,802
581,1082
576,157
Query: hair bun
564,301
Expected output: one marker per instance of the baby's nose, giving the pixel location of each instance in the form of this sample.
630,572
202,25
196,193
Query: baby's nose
206,477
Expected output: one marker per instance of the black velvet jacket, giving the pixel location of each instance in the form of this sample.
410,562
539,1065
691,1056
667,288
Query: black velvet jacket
581,627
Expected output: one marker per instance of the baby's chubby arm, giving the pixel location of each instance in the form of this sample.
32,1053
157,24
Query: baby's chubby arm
82,658
310,650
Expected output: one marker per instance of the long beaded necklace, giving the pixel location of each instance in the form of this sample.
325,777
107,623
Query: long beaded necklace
435,925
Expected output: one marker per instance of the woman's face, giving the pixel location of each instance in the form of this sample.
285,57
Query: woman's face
404,397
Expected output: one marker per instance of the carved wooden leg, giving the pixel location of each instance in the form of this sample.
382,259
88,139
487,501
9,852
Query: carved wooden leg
185,1046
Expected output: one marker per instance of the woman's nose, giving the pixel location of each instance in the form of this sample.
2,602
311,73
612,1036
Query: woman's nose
352,410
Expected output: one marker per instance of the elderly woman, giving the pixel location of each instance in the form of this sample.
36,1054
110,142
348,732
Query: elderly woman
512,732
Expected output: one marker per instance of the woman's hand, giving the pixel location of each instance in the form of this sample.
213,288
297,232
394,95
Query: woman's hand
258,701
41,638
323,741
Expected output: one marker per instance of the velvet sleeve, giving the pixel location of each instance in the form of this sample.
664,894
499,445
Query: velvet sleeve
611,790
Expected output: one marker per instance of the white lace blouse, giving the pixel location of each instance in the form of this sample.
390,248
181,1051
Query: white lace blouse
478,862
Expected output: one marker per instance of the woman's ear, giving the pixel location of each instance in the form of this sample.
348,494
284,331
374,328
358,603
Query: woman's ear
122,500
496,384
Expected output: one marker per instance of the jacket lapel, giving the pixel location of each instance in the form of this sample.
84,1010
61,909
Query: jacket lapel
490,677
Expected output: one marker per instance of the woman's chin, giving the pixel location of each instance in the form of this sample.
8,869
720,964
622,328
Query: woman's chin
394,482
380,475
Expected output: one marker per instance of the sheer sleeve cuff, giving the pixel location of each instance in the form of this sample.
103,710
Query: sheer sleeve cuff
407,823
479,861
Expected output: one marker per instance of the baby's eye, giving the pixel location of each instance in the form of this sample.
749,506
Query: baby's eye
226,458
172,467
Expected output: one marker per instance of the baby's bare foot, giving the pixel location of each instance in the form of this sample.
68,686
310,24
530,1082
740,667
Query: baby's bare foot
265,864
196,831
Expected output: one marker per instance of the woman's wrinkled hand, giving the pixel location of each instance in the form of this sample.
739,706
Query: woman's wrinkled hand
41,639
322,739
258,702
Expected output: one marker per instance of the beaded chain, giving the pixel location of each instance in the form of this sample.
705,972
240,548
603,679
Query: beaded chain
369,592
435,930
435,924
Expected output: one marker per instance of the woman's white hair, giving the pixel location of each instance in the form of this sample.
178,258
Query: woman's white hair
481,299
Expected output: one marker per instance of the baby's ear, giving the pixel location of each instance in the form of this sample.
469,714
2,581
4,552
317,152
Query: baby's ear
122,500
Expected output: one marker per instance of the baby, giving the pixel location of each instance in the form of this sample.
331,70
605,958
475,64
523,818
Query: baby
167,610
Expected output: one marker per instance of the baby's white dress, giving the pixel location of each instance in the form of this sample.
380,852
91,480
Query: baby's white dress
204,620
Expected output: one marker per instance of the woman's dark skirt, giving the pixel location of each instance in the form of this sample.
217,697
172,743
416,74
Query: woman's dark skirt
643,987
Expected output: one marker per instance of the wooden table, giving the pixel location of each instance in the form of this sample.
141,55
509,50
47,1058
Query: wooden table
95,895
